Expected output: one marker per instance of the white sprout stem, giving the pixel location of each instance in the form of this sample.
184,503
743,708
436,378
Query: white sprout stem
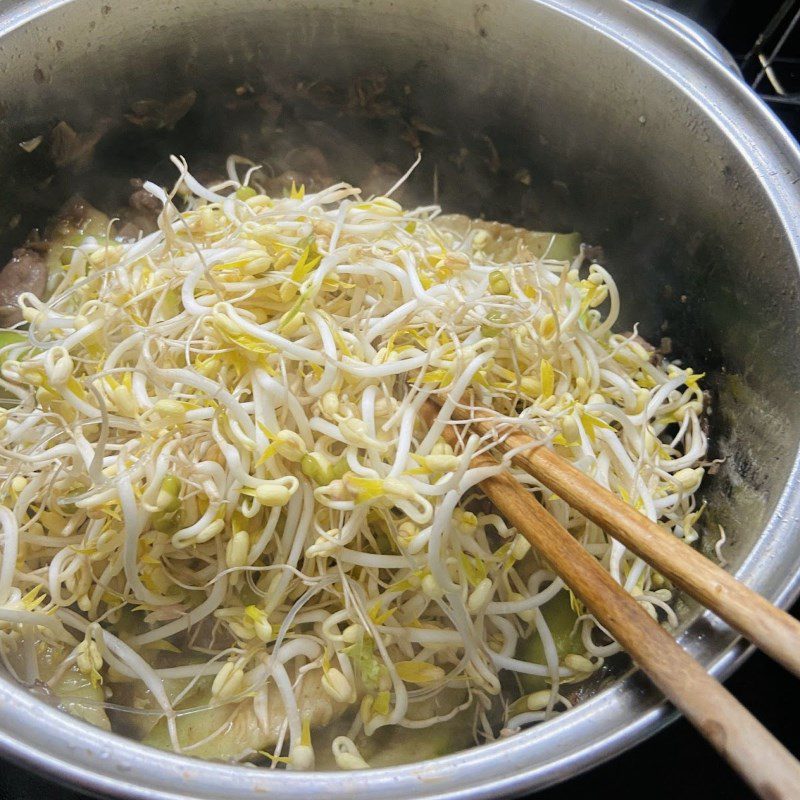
215,431
8,563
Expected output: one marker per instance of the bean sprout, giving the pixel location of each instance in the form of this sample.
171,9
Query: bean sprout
214,469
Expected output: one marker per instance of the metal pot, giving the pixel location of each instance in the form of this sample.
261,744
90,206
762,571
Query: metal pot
587,114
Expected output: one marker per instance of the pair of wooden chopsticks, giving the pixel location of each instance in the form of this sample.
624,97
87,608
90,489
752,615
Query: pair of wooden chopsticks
752,751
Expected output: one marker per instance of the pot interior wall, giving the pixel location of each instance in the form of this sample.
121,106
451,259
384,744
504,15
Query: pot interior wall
549,131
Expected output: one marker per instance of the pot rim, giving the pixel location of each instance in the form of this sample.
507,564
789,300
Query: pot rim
79,754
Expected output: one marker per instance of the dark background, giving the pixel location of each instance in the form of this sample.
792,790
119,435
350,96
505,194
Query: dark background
676,763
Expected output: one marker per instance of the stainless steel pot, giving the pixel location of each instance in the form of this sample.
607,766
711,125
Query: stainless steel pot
599,116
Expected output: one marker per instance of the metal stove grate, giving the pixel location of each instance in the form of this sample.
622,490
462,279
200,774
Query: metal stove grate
772,65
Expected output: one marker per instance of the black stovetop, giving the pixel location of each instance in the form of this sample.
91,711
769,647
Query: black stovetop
677,762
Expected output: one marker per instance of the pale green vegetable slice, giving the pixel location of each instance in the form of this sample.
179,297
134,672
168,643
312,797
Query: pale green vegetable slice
395,745
7,338
77,695
236,725
560,618
81,699
507,243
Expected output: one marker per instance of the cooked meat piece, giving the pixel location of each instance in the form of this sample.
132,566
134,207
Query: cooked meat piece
128,231
308,159
31,265
141,213
142,200
380,179
272,106
71,148
70,217
25,272
303,166
157,115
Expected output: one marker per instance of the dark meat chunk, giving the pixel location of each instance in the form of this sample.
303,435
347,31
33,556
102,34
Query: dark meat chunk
310,160
70,148
367,96
141,213
272,107
36,267
303,166
25,272
72,216
380,179
141,200
157,115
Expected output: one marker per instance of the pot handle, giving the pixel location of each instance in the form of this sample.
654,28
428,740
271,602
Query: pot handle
688,27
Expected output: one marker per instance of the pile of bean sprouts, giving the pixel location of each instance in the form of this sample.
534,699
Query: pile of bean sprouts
216,430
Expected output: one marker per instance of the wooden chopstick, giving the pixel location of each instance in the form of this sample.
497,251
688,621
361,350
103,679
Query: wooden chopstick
772,630
739,737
